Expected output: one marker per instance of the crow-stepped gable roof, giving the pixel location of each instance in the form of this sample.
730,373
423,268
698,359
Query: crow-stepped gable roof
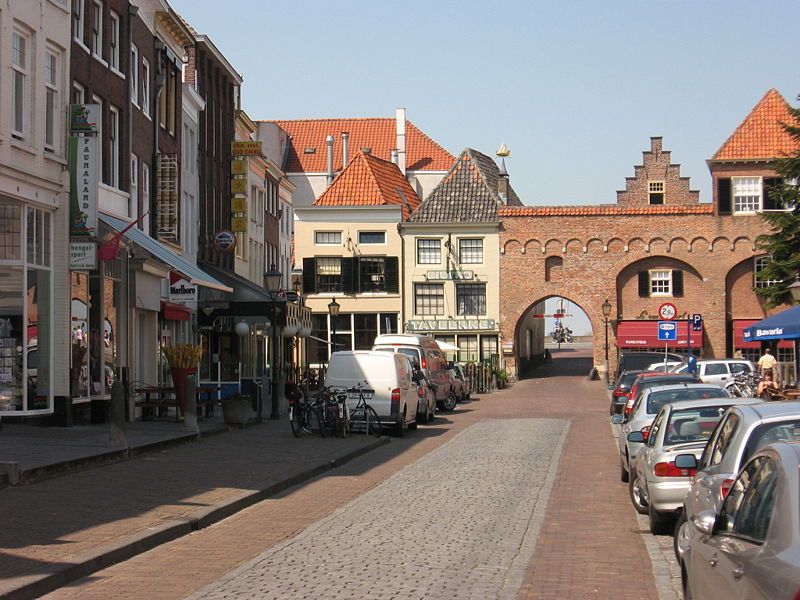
370,181
468,193
761,135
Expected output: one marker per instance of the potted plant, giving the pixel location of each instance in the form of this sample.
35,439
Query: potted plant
237,409
502,378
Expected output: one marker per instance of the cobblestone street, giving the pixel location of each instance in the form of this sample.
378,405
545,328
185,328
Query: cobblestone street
513,495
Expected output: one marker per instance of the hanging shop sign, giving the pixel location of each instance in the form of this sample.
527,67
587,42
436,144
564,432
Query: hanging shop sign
449,275
452,325
238,205
239,224
238,186
238,167
181,290
84,176
83,118
82,255
225,241
249,148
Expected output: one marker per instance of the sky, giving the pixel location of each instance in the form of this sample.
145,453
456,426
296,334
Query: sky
574,88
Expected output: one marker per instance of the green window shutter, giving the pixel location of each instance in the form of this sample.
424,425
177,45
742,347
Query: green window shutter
309,276
724,196
349,275
392,275
677,283
644,284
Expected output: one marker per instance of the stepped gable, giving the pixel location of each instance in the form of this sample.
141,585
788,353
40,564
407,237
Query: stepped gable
658,170
370,181
468,193
307,151
761,135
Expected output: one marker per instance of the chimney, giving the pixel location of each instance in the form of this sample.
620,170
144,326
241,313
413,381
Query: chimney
502,183
345,140
394,156
329,144
400,119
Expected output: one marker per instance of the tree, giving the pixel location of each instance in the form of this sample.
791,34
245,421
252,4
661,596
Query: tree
783,243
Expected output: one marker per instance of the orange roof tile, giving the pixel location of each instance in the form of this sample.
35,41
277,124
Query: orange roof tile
761,134
370,181
605,210
422,153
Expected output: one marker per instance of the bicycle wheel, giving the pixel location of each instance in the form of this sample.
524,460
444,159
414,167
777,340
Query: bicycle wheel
296,412
314,421
373,424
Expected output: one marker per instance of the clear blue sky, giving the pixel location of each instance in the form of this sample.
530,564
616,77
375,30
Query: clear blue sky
575,89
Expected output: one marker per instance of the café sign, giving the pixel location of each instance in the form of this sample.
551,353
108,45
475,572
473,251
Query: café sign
444,275
452,325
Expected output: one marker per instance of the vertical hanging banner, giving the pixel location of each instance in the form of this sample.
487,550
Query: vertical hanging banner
84,173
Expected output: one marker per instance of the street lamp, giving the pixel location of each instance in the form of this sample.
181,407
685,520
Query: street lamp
333,310
272,281
794,290
606,307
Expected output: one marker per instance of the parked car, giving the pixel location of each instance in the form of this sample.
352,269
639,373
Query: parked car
743,431
750,548
663,366
460,381
425,353
426,398
637,361
388,376
648,379
719,371
619,395
657,486
645,410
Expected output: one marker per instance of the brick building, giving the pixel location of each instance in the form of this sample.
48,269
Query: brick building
657,244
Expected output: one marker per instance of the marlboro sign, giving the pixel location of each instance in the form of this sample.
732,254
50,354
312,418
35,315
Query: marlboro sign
181,290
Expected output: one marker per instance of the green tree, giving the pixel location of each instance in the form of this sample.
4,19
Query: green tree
783,243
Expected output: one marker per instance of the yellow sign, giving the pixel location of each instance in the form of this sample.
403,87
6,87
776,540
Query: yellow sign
238,224
238,186
246,148
238,167
239,205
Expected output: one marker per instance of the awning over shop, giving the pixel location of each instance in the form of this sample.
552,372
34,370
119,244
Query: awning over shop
243,290
644,334
192,272
782,326
174,312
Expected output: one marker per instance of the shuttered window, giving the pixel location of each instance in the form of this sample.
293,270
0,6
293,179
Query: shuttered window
329,274
167,217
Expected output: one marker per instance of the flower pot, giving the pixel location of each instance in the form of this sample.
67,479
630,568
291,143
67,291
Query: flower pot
179,376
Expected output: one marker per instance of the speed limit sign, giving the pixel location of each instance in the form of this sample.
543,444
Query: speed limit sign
667,311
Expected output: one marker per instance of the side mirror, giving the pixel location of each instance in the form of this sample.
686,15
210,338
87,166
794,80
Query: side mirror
636,437
617,419
705,521
686,461
450,364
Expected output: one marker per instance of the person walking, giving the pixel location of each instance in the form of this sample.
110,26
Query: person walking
766,364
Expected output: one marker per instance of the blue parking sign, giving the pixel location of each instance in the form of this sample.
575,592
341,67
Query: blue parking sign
697,322
667,331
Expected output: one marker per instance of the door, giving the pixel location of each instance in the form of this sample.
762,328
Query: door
716,373
408,389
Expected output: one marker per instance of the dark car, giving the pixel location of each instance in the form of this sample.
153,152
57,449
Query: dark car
639,361
619,395
648,379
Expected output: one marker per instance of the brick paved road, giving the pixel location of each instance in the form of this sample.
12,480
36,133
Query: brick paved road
589,545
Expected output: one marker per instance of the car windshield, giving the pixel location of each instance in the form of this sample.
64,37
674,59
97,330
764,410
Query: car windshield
658,399
766,433
692,424
627,379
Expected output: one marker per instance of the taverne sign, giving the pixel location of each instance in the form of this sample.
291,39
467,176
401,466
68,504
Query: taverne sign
452,325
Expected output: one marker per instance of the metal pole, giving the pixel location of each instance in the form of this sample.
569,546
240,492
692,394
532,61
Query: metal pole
606,348
274,415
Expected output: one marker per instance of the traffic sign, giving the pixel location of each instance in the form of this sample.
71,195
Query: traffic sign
697,322
667,311
667,331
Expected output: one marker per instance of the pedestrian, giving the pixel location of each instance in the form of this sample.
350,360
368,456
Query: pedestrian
766,364
765,386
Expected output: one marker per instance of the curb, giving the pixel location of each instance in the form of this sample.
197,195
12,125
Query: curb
129,546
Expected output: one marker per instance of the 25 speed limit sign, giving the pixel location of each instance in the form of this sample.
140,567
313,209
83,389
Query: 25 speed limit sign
667,311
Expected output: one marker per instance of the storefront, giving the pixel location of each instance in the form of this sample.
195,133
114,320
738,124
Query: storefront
642,335
751,350
476,339
26,309
354,331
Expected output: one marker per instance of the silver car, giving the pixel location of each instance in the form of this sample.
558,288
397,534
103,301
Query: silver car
719,371
750,548
741,433
645,410
658,486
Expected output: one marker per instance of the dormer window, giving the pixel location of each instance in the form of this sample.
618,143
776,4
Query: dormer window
655,192
746,194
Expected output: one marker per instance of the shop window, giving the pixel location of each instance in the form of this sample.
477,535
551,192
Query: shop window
429,252
318,341
489,348
428,299
468,348
470,251
365,328
471,299
388,323
343,326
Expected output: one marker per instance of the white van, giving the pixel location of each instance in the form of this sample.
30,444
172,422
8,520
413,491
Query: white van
394,394
426,355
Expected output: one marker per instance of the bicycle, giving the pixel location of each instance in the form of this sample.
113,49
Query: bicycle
332,404
363,417
305,417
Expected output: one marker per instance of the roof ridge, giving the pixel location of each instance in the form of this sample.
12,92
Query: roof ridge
319,119
427,137
771,93
492,191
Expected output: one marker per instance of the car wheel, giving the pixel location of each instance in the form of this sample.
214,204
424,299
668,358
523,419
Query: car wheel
432,415
624,476
637,494
400,427
660,524
423,418
680,537
449,402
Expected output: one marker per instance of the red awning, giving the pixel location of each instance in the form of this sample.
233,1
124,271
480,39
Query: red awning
174,312
739,325
644,334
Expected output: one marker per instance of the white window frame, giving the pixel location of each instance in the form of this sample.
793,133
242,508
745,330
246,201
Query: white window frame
759,262
133,188
656,187
52,84
372,232
462,248
134,71
79,22
429,252
100,128
97,30
146,87
78,89
21,75
114,131
113,43
660,282
747,195
145,186
325,238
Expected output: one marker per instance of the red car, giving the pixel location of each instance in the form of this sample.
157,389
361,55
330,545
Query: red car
620,393
648,379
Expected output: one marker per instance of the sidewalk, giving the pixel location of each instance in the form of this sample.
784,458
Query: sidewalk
60,529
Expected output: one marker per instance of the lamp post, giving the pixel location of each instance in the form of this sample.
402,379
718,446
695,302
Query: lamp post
333,310
606,307
242,329
272,281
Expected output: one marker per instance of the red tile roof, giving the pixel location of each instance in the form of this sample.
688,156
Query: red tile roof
422,153
761,134
370,181
605,210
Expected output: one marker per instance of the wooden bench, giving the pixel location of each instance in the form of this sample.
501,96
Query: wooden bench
157,397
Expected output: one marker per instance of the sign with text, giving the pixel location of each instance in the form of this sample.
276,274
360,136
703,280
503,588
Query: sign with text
238,186
697,322
667,331
181,290
452,325
239,167
84,177
448,275
239,224
667,311
238,205
249,148
82,255
225,241
83,118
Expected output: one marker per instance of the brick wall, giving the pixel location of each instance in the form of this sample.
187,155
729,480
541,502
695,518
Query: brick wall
657,167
